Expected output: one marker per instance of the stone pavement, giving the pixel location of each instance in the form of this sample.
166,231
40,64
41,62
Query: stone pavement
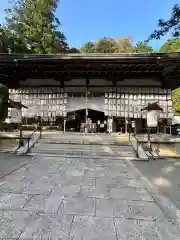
164,174
11,162
58,197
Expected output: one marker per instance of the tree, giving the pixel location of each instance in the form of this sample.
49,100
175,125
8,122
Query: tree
88,47
32,24
141,47
124,44
60,42
8,43
171,45
3,41
176,100
73,50
164,26
106,45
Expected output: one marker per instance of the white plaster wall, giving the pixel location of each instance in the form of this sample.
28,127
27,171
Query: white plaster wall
39,82
96,82
139,82
102,82
77,89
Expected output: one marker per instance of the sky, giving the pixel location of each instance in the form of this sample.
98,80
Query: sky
83,21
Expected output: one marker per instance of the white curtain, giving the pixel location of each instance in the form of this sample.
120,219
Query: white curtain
76,103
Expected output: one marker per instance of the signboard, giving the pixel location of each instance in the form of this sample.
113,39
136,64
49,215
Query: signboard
133,124
152,118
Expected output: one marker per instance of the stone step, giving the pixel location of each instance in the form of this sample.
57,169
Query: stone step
80,152
87,142
82,147
94,146
107,158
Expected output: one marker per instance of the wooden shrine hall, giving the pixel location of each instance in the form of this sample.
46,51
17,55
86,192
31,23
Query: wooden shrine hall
55,86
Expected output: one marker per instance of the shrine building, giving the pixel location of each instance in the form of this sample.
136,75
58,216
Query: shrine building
90,87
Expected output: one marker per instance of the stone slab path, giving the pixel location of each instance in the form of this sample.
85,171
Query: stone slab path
81,192
11,162
54,198
164,174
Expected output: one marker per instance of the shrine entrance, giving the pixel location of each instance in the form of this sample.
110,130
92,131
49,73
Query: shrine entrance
96,121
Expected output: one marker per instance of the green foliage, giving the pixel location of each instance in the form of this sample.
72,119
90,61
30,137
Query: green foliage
124,44
106,45
141,47
88,47
3,41
31,26
171,45
115,45
73,50
61,45
4,96
176,100
164,26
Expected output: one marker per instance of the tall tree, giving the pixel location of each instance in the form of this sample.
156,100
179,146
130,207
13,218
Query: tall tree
164,26
33,24
171,45
141,47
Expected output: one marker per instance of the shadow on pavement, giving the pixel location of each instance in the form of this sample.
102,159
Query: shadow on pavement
165,175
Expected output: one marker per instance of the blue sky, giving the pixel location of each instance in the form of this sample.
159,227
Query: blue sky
84,21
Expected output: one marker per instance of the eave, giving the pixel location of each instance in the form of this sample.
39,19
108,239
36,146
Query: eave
15,67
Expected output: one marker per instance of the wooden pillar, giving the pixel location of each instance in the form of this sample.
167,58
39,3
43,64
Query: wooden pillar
86,118
126,125
114,86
